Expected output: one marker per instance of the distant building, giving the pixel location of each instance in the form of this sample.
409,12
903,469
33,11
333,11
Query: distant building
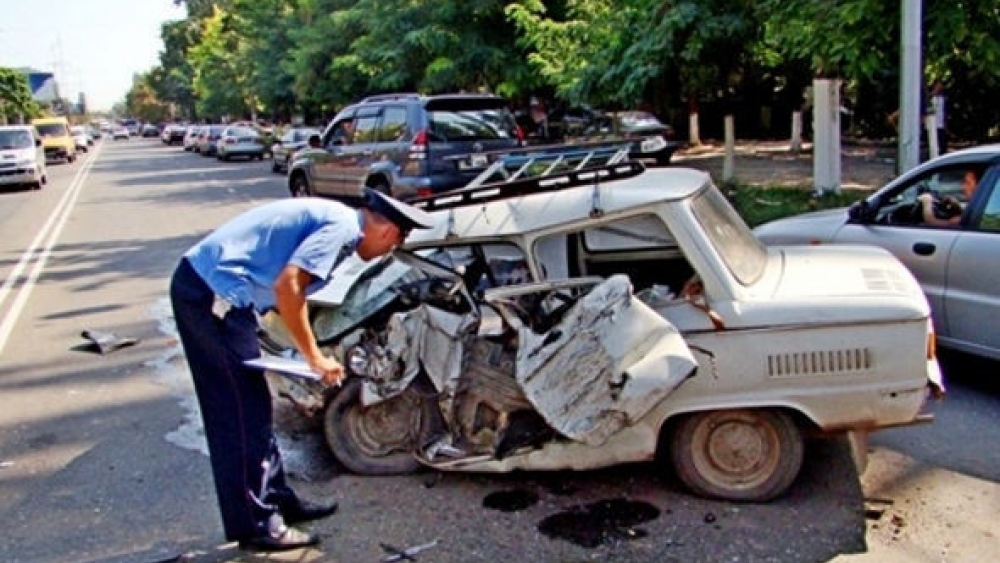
44,89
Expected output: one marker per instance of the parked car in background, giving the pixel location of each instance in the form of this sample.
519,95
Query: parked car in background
22,157
56,138
239,141
119,132
150,130
556,329
173,134
80,136
133,126
191,138
284,147
651,139
406,145
208,139
957,266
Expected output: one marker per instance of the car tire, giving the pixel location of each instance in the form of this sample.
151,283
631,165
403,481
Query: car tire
275,167
750,455
379,439
71,158
299,186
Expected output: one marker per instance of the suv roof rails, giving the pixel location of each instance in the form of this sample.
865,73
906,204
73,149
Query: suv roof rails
390,97
530,171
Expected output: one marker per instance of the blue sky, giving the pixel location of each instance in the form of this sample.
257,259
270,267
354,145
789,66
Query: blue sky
93,46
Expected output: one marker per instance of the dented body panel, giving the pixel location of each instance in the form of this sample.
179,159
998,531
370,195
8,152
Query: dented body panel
571,329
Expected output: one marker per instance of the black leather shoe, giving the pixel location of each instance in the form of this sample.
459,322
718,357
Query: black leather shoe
283,540
305,511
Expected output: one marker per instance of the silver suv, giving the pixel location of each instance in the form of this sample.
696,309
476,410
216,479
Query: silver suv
406,145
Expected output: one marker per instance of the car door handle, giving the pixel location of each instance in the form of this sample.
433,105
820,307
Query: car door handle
924,248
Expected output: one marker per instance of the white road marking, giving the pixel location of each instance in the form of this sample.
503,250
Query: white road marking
39,253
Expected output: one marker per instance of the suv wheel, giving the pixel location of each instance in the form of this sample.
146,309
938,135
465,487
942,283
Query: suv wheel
299,186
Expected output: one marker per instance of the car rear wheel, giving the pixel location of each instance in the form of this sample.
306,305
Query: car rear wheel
299,186
740,455
379,439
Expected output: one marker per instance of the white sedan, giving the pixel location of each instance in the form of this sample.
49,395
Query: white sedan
953,252
240,141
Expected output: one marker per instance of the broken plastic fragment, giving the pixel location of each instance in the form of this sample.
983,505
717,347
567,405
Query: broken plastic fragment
106,341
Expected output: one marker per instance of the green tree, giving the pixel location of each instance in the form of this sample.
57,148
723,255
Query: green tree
623,53
220,79
175,82
141,101
15,97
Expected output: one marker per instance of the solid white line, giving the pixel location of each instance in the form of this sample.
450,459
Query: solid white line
52,228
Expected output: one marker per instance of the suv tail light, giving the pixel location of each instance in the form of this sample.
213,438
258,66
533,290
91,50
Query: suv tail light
418,146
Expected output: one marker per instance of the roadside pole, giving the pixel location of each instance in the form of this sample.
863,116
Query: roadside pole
909,87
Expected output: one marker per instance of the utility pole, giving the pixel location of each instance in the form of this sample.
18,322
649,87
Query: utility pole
909,86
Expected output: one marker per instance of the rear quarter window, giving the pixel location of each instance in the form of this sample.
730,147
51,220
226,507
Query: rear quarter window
471,125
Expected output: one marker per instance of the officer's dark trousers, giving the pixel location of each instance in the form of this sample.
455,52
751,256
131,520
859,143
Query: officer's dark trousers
235,404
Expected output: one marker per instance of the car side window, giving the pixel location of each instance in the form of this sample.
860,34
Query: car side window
990,220
641,247
485,265
366,129
901,207
393,126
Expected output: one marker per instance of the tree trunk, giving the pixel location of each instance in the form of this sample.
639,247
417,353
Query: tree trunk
694,135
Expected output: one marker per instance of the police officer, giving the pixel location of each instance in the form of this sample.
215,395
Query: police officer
270,257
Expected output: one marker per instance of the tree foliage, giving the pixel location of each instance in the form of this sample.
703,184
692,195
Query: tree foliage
15,96
283,58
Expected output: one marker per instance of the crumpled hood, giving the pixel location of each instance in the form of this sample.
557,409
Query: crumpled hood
820,226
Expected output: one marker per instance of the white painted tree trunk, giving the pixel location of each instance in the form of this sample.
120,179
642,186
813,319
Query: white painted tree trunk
795,144
930,124
694,136
826,135
728,160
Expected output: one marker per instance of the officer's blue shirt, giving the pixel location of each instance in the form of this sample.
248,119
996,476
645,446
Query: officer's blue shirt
241,260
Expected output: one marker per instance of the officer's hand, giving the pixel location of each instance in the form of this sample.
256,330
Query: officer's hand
926,198
329,369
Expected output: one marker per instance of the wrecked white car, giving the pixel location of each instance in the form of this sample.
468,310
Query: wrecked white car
509,337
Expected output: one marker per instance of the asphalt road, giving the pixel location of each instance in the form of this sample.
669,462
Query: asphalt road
101,458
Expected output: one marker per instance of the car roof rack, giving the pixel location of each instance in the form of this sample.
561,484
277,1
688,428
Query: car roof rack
539,169
390,97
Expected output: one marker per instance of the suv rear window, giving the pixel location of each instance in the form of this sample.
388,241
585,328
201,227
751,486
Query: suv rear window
471,125
469,119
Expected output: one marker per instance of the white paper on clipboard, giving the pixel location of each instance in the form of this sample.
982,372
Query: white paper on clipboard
285,366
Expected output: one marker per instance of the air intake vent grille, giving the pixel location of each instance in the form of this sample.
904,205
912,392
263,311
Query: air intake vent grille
877,279
819,362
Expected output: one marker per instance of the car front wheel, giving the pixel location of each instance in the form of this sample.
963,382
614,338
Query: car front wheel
739,455
379,439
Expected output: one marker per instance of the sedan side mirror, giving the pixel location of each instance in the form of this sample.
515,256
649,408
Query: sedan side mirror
861,212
